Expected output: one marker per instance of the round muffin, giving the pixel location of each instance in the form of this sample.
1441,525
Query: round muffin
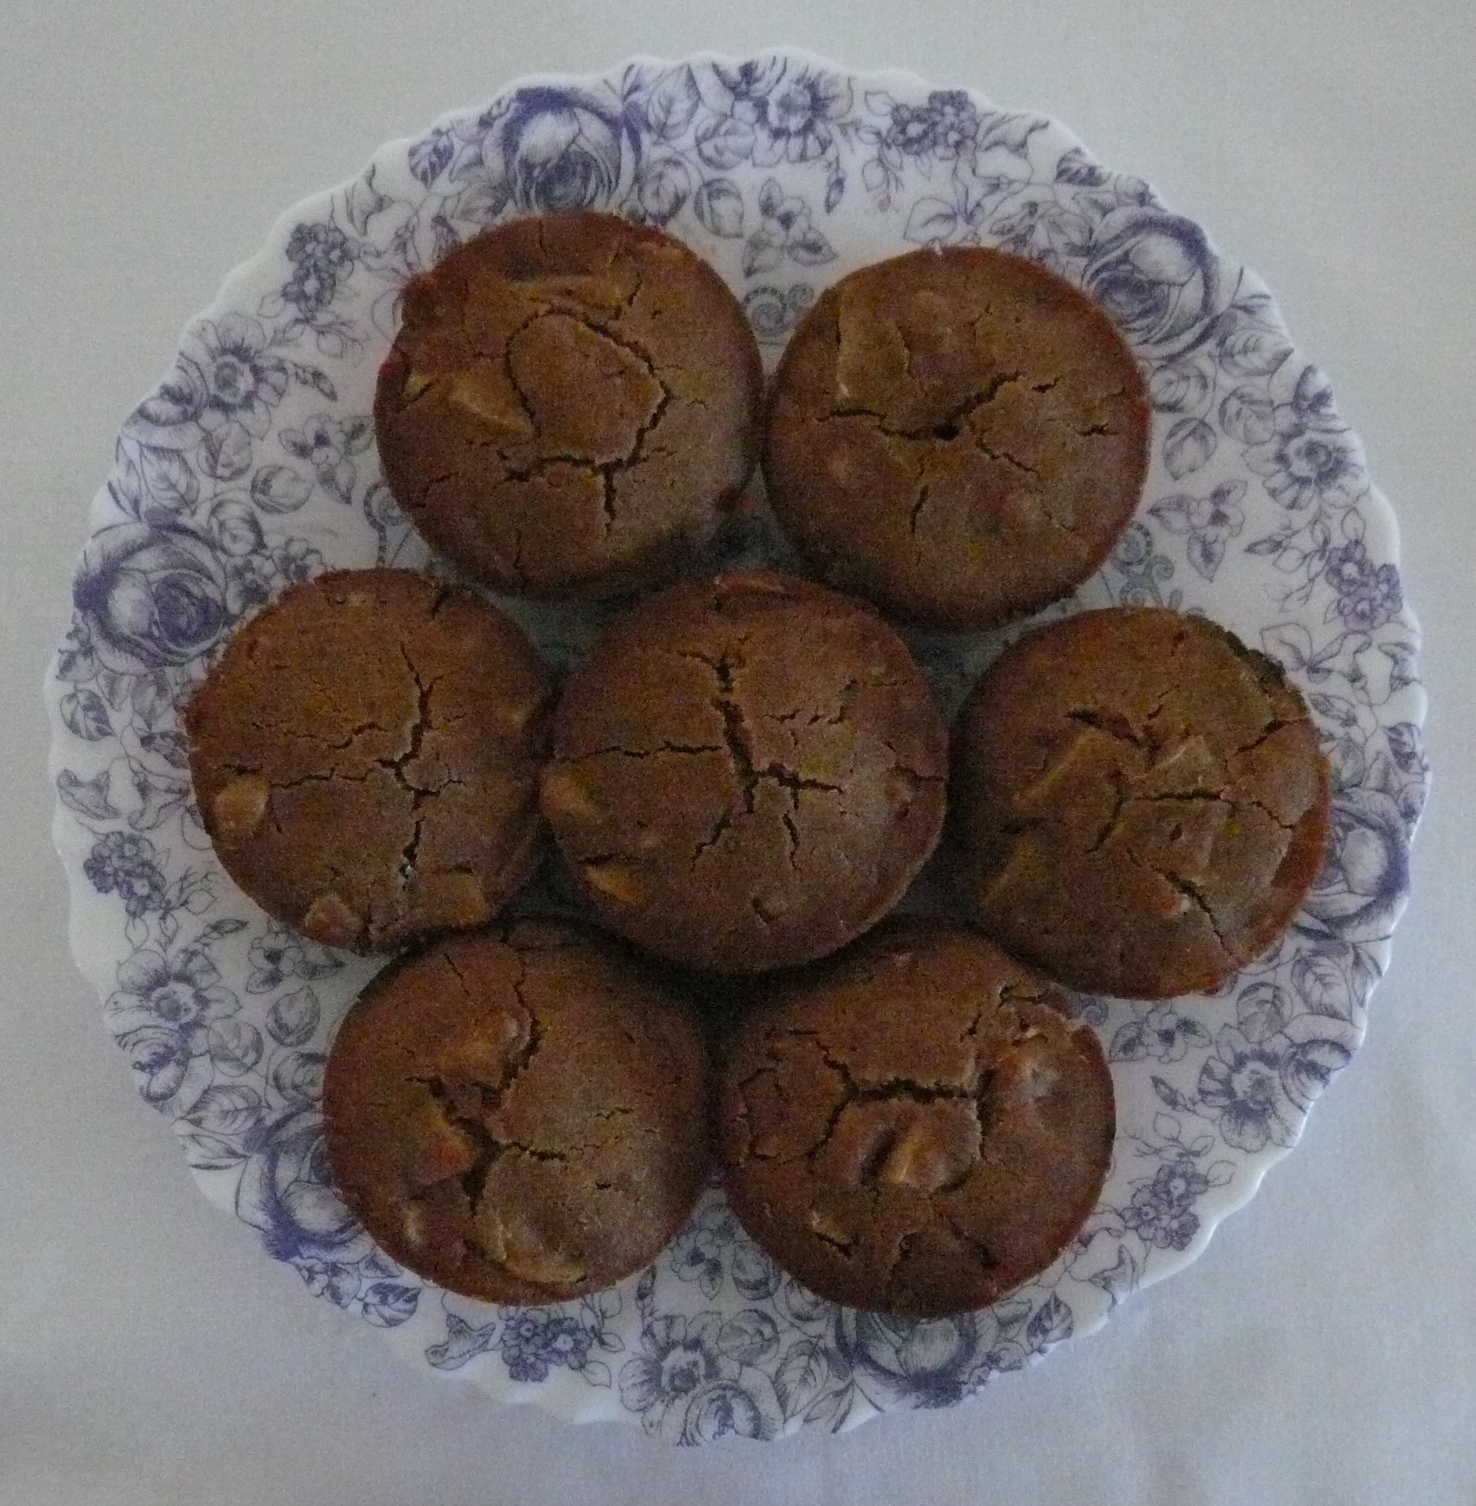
916,1126
957,434
746,773
520,1115
571,405
365,757
1140,802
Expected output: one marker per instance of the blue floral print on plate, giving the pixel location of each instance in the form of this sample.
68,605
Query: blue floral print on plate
251,465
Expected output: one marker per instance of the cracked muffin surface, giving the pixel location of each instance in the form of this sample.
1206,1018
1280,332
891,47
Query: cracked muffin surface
570,405
746,773
519,1115
957,434
916,1125
1140,802
365,757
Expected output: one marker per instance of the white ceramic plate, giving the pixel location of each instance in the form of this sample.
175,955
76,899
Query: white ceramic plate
252,464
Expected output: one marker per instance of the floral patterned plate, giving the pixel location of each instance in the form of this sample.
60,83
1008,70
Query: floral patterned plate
252,464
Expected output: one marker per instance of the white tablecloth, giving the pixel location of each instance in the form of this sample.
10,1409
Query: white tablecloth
1324,1349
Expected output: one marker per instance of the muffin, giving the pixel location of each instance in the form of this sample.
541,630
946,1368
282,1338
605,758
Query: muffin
518,1115
1140,802
916,1125
746,773
958,435
365,756
570,406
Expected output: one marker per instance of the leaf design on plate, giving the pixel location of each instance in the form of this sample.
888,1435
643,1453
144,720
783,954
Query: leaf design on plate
1206,553
229,1109
1248,416
1051,1323
235,1046
226,452
1129,1042
1189,445
762,254
1170,1095
171,484
86,715
1407,747
810,248
86,797
932,221
673,103
1262,1010
724,142
387,1303
1076,168
1252,352
293,1018
430,157
750,1337
278,488
1401,657
801,1373
719,206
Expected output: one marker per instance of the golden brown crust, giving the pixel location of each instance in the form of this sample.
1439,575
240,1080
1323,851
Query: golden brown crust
746,773
570,406
519,1115
365,757
1140,802
957,434
916,1125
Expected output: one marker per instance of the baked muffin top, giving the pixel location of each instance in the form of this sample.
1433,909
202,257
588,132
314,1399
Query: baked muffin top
958,435
915,1125
746,772
365,755
1140,801
570,405
519,1115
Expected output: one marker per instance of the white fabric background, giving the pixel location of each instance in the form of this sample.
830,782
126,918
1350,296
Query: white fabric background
1324,1349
